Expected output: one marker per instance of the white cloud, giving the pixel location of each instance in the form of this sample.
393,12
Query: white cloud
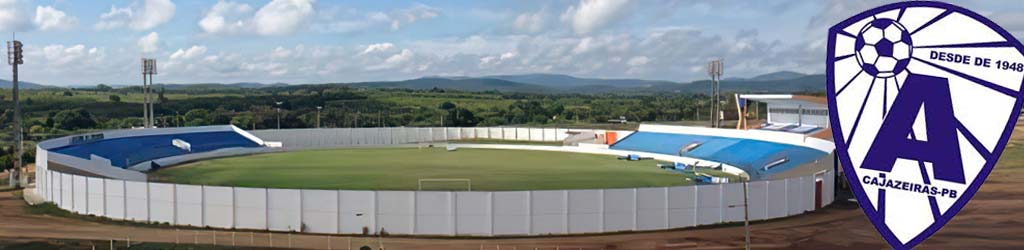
190,53
336,20
394,61
278,17
149,43
225,17
281,17
12,16
530,22
377,47
591,15
411,15
637,61
49,18
139,16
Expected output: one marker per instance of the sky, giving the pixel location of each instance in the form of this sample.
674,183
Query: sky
72,43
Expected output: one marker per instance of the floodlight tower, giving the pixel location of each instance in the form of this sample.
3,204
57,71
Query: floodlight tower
278,114
318,108
14,58
715,69
148,69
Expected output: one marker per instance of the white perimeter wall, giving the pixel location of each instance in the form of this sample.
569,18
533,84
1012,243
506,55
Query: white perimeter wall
428,212
506,213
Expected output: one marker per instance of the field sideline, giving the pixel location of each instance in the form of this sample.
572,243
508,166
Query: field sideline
401,168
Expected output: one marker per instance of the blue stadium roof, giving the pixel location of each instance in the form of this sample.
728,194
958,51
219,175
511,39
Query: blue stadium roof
747,154
127,151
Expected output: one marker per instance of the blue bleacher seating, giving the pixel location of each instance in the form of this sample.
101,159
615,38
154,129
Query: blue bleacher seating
128,151
749,155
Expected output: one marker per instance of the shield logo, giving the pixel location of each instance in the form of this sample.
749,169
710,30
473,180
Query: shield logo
923,97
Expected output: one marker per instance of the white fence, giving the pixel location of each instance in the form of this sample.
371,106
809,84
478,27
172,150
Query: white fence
434,213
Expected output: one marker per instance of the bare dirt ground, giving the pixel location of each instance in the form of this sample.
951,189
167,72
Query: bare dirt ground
994,219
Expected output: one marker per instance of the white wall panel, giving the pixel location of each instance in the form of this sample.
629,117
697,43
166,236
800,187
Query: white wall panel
509,134
189,205
434,213
758,199
356,210
454,133
561,134
550,134
320,211
682,206
284,209
732,202
438,134
522,134
794,196
67,195
619,210
161,202
585,208
114,191
548,212
425,134
137,200
808,190
651,208
511,213
496,133
80,196
96,196
250,208
468,133
473,213
395,211
218,207
536,134
777,201
482,133
709,204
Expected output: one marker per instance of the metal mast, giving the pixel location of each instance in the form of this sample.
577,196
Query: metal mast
14,58
715,69
148,69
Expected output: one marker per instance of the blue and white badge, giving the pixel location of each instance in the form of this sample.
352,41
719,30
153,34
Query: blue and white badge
923,97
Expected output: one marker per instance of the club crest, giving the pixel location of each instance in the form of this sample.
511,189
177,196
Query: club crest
923,97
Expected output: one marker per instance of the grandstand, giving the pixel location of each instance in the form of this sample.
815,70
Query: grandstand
790,113
752,156
129,151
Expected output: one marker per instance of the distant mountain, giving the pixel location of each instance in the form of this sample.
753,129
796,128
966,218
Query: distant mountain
806,83
218,86
566,81
464,84
6,84
775,76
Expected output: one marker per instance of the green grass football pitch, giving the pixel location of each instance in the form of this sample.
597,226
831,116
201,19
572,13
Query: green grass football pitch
402,168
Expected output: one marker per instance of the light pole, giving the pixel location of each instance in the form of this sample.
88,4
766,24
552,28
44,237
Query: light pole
148,69
746,215
318,108
278,114
14,58
715,69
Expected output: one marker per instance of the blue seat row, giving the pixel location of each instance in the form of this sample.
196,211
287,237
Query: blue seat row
127,151
747,154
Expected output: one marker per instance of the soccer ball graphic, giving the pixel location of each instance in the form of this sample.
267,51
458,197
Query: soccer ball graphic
883,48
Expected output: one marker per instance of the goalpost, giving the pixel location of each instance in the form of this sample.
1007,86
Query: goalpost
468,184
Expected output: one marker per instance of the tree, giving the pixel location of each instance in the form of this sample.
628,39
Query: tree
103,88
73,119
115,98
446,106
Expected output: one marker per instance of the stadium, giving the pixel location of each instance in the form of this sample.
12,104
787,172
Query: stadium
449,181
